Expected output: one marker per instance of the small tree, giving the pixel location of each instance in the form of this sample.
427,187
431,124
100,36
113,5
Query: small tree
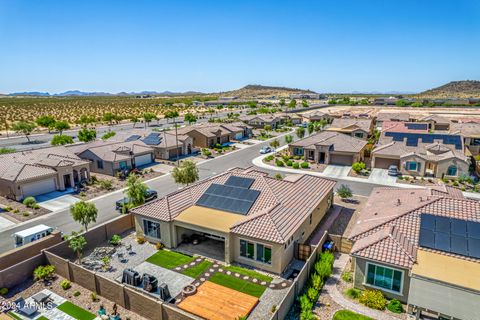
288,139
84,213
186,173
24,127
292,104
275,144
267,128
148,117
86,135
43,272
304,103
46,122
300,132
109,118
136,190
59,140
60,126
282,103
134,120
85,120
77,243
190,118
172,114
344,192
310,127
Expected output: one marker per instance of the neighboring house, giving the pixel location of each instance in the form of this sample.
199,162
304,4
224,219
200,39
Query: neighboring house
165,144
422,154
411,127
329,148
359,128
36,172
437,123
307,96
247,216
470,131
207,135
316,115
390,101
261,120
112,157
295,119
422,247
391,117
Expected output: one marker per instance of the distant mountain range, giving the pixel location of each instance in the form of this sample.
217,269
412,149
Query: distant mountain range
79,93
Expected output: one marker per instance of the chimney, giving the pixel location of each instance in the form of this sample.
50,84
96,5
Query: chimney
421,199
399,202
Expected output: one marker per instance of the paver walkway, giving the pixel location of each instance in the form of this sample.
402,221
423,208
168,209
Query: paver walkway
331,289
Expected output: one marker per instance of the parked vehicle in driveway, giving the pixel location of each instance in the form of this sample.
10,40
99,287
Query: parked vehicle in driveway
393,171
265,150
149,196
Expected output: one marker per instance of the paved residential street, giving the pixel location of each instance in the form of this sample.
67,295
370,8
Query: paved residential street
164,185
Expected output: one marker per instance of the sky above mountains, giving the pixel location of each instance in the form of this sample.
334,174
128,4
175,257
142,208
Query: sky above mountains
208,46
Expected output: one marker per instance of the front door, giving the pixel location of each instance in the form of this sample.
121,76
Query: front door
321,157
67,181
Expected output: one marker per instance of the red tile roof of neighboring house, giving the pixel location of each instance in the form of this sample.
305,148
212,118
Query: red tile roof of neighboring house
388,226
396,126
281,207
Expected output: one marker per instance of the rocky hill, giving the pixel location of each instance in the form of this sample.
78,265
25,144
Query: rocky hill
259,91
454,89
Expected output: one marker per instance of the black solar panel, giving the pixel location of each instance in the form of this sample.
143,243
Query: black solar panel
239,182
152,139
228,198
134,137
450,235
412,138
416,126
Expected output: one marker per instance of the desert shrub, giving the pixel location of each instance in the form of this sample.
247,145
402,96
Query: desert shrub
269,158
108,135
273,309
105,184
358,166
25,213
286,158
140,240
353,293
304,165
115,240
159,246
94,297
65,284
295,165
279,163
3,291
8,209
29,201
347,276
373,299
43,272
60,140
344,191
395,306
316,281
289,163
76,293
297,157
36,206
312,294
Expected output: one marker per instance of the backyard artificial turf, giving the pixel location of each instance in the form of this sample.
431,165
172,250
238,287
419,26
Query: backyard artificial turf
250,273
75,311
13,315
238,284
42,318
198,269
169,259
349,315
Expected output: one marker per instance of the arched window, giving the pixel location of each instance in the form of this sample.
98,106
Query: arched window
452,171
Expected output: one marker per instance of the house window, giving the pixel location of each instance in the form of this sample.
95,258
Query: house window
310,218
99,164
384,278
151,229
452,171
298,151
412,166
358,134
257,251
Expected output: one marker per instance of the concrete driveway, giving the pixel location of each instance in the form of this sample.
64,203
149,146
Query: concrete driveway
336,171
381,176
59,203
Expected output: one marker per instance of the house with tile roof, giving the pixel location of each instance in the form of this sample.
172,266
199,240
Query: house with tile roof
36,172
422,154
436,122
110,157
391,117
242,215
207,135
329,148
470,131
391,253
316,115
261,120
355,127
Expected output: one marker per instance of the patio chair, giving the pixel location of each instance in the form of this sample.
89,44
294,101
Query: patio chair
129,249
41,297
121,258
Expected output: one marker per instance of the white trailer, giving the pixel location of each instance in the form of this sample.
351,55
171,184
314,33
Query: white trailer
31,234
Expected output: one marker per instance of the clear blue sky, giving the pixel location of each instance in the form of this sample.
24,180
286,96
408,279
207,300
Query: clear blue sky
327,46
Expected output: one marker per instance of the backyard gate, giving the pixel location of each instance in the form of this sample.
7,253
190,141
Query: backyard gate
302,251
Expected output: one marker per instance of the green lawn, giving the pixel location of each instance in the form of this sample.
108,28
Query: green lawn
75,311
234,283
250,273
198,269
169,259
42,318
13,315
349,315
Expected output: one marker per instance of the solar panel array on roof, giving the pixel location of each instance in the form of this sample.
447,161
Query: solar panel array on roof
239,182
413,138
416,126
152,139
450,235
133,138
228,198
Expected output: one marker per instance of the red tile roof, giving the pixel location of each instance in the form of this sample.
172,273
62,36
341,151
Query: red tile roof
281,207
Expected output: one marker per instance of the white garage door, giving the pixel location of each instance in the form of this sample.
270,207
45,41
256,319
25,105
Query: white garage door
344,160
143,160
39,187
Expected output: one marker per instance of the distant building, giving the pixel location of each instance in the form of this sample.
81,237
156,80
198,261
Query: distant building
307,96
